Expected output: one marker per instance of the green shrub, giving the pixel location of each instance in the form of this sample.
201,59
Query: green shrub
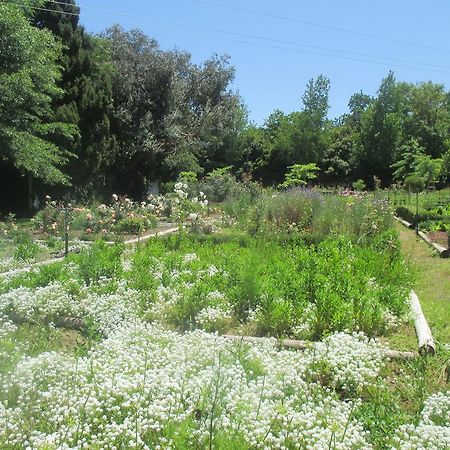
130,225
359,185
26,249
99,261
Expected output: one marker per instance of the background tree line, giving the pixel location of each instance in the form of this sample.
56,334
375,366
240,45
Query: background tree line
112,113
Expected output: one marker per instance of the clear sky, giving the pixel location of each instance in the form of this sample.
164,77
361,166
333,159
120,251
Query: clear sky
277,46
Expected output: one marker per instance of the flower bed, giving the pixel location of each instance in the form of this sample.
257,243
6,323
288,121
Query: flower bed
123,217
255,286
140,384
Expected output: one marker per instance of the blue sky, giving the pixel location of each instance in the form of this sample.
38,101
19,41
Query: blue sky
277,47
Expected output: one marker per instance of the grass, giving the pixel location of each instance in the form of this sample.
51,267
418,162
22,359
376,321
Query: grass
432,284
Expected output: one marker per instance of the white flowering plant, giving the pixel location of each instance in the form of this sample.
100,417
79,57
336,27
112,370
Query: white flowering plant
154,373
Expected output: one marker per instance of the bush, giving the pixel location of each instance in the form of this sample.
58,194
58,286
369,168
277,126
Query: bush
130,225
359,185
26,250
99,261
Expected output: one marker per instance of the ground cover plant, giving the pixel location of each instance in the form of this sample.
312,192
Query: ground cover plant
117,347
129,383
275,288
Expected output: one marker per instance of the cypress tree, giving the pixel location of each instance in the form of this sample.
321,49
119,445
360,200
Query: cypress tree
87,100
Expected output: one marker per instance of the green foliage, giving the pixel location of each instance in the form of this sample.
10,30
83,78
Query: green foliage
219,185
275,288
28,70
99,261
309,215
26,248
300,175
359,185
171,115
131,225
315,101
414,183
187,177
428,169
87,95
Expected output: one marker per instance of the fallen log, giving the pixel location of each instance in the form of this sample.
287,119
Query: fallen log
71,323
303,345
404,222
423,332
443,252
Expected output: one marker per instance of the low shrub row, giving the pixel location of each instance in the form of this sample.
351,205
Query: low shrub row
258,286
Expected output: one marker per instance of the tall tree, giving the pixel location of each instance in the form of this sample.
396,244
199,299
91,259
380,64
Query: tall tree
87,99
28,70
428,119
381,131
315,101
171,115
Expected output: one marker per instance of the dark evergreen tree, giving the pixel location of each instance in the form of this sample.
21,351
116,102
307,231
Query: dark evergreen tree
87,99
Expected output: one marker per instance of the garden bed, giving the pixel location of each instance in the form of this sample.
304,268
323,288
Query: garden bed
150,366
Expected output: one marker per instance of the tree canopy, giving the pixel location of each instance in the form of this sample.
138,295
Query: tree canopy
28,70
116,112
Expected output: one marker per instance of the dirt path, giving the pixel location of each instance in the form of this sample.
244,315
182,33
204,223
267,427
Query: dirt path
432,282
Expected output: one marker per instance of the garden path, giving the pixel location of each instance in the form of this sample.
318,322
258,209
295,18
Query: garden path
432,282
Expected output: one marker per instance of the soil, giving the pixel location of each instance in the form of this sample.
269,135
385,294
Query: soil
440,237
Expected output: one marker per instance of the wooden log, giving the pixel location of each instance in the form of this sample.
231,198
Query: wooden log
443,252
303,345
423,332
404,222
70,323
78,324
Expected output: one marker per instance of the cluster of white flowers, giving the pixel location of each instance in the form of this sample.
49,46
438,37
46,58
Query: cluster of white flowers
6,327
391,321
146,387
214,315
175,284
433,430
352,360
303,330
181,189
201,199
53,301
142,386
9,263
190,257
157,204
